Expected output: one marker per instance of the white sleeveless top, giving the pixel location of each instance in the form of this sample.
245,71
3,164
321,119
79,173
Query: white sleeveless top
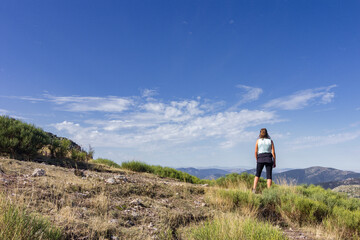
264,145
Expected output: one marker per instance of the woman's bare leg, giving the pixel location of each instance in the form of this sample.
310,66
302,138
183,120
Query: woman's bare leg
256,180
269,182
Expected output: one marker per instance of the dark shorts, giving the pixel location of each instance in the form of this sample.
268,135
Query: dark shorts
264,159
260,166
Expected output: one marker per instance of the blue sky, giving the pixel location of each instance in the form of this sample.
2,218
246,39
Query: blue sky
188,83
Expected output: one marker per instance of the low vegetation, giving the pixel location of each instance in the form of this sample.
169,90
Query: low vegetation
301,206
17,223
106,162
160,171
234,226
19,139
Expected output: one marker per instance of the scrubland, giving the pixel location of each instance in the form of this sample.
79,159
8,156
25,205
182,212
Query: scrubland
118,203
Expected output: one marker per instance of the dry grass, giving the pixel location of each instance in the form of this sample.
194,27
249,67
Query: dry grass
136,206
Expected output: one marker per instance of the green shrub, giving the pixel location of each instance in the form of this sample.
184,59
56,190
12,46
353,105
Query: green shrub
240,198
137,166
235,178
78,155
347,220
106,162
17,223
19,138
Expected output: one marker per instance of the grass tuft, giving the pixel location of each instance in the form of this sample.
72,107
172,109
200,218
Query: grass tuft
17,223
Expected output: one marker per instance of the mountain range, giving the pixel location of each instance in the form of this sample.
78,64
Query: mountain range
312,175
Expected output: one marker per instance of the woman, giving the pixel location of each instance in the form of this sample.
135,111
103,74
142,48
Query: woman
265,156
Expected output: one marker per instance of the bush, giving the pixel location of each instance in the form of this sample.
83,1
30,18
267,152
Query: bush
346,220
19,138
106,162
78,155
233,179
137,166
17,223
239,198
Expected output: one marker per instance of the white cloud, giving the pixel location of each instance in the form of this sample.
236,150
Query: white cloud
83,104
303,98
149,93
317,141
137,122
137,131
88,104
251,94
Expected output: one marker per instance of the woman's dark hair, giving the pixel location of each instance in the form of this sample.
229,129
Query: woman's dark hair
264,133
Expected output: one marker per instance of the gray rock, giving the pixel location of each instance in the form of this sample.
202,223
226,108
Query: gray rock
110,180
113,221
38,172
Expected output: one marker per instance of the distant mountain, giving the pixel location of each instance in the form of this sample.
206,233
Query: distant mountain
215,173
326,177
314,175
334,184
210,173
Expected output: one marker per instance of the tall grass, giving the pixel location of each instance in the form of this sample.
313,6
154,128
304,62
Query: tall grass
17,224
232,226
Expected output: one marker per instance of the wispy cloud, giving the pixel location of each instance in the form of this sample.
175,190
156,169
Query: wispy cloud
303,98
317,141
251,94
89,104
149,93
82,104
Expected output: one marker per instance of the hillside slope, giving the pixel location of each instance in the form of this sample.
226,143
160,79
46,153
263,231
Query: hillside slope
117,204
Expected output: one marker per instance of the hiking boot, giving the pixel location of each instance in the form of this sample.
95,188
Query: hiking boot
253,191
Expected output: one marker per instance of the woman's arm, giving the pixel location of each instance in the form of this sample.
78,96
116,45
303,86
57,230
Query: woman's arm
256,149
273,153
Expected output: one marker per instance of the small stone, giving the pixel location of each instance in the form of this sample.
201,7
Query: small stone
113,221
114,238
110,180
38,172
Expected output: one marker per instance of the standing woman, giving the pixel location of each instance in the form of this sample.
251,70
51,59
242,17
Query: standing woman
265,156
